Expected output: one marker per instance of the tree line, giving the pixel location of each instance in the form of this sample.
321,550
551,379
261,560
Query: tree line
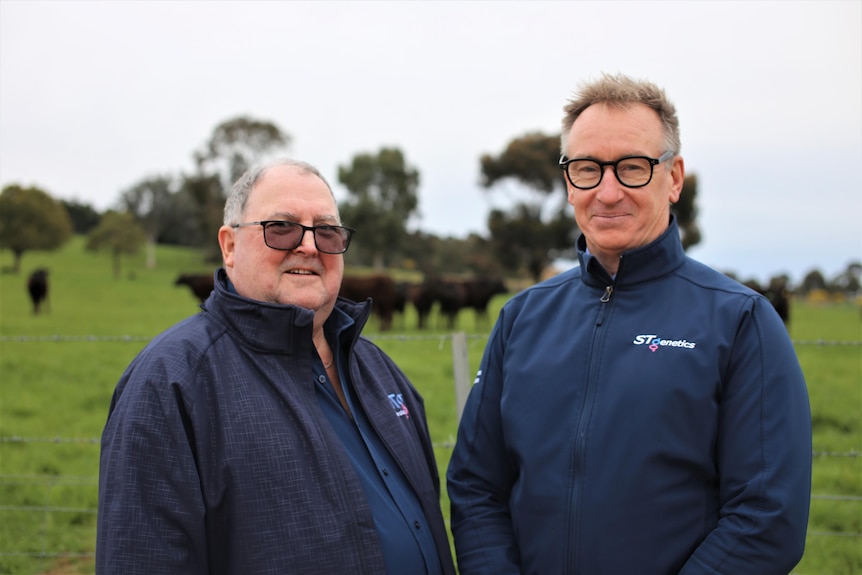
186,210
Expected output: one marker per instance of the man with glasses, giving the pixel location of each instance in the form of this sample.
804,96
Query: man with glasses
640,413
264,435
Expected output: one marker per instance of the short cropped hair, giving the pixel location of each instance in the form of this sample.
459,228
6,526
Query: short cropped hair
235,204
620,91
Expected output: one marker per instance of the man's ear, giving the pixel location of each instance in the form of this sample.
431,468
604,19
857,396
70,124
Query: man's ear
227,242
677,176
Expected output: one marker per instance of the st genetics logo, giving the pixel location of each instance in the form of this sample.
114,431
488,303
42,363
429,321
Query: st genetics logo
654,342
397,402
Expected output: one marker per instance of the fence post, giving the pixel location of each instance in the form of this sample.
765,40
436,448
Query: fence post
462,370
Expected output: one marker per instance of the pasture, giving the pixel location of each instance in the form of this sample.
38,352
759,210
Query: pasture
58,370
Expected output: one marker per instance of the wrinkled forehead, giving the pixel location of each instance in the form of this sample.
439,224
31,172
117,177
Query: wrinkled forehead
291,190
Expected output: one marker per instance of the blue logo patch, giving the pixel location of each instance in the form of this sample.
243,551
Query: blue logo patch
397,402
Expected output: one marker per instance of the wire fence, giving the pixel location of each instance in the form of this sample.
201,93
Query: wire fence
43,513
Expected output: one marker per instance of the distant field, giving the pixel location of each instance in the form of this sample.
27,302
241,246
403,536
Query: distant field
56,383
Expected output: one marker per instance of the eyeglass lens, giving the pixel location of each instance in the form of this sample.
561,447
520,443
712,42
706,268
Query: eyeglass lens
288,236
632,172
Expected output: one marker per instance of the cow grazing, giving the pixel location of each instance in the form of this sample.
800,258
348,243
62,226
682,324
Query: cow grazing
200,284
435,290
455,295
379,288
478,294
449,294
422,296
37,286
402,296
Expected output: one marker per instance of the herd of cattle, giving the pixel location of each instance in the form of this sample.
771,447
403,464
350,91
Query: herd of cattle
390,297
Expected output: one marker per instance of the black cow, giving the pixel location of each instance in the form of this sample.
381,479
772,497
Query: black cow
403,290
479,292
380,288
777,294
453,295
37,286
449,294
200,284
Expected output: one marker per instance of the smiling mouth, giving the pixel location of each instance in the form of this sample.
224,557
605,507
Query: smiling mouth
301,272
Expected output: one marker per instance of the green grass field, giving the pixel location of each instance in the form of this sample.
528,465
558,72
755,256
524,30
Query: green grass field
56,383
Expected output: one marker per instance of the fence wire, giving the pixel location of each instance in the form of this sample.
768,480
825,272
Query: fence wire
373,337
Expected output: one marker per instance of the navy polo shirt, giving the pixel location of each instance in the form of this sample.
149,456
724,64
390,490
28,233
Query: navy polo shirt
405,537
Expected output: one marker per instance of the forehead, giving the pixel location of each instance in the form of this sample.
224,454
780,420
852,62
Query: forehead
635,127
289,189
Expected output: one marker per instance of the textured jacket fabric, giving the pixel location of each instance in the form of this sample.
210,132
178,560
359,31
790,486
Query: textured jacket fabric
654,423
217,459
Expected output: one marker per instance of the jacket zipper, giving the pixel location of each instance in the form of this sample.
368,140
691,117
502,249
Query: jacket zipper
580,441
607,295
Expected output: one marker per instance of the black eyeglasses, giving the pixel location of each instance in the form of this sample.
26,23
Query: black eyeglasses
284,235
631,171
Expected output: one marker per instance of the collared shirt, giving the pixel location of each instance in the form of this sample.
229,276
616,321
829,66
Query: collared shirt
405,537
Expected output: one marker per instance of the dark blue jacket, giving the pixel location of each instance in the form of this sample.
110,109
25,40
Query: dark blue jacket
656,423
216,457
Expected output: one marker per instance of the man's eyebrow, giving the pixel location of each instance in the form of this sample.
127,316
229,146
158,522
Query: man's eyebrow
291,217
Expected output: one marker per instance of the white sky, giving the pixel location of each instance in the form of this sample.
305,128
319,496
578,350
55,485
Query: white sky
95,96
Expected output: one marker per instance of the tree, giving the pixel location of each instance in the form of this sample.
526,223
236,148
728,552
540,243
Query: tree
686,213
524,241
150,202
234,146
118,232
384,196
84,216
30,219
848,281
531,159
812,281
206,195
538,230
182,222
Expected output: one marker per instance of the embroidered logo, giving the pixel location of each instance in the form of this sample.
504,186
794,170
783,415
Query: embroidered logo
397,401
654,342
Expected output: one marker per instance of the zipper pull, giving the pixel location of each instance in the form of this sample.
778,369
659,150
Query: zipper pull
607,295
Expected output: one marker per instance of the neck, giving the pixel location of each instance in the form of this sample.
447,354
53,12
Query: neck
327,356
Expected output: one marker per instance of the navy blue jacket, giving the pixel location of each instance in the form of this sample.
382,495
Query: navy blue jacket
655,423
216,457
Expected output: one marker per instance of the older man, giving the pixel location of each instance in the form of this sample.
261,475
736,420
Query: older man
641,413
264,435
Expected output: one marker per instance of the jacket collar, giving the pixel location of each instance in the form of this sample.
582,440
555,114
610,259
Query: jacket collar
277,328
656,259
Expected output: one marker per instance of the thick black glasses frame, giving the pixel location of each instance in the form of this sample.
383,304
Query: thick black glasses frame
345,232
653,162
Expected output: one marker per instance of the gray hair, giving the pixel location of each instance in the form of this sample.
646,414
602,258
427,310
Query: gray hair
621,91
234,206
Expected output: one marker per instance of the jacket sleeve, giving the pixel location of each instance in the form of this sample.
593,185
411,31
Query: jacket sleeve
151,511
480,478
763,455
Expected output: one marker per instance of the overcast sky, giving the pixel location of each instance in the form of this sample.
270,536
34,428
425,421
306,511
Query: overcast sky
96,96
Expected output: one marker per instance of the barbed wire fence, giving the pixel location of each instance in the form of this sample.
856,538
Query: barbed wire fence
459,341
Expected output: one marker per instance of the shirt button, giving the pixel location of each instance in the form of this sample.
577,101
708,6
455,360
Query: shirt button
417,525
385,472
322,379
